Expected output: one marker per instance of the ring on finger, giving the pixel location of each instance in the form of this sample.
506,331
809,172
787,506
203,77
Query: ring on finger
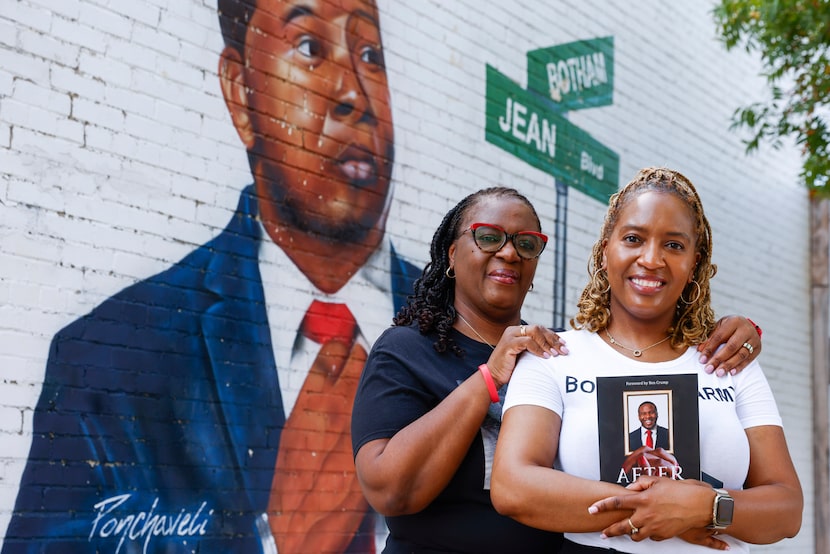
522,331
634,528
748,347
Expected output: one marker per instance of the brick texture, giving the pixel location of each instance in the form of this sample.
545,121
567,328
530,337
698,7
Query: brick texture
118,158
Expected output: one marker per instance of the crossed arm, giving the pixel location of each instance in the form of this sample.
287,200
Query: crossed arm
403,474
526,488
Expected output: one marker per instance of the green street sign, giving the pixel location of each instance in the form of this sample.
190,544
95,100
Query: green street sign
574,75
528,126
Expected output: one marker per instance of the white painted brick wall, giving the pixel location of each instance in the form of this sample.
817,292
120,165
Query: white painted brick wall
117,158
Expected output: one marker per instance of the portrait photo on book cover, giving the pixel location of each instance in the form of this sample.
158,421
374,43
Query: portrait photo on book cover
648,426
645,424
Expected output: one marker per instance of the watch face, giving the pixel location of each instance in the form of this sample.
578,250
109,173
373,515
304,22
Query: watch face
726,506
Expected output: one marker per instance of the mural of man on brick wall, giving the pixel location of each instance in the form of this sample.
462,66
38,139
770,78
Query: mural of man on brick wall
206,408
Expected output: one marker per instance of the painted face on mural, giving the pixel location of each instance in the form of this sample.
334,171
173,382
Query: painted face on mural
310,100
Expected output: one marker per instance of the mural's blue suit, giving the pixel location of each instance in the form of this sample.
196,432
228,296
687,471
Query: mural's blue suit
167,392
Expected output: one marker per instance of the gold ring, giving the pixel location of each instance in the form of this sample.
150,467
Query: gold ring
634,528
748,347
522,330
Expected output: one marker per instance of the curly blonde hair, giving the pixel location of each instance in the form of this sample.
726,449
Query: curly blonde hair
694,318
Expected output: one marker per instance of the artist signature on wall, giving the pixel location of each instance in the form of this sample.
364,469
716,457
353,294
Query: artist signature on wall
142,526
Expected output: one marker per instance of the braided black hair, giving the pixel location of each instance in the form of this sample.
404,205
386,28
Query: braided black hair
432,304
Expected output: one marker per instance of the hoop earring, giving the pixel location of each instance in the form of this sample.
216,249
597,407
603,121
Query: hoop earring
595,282
697,296
447,273
531,287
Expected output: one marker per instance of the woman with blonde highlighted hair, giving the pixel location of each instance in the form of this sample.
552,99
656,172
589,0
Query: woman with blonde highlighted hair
646,307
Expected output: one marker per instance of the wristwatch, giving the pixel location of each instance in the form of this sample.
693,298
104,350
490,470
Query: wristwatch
722,510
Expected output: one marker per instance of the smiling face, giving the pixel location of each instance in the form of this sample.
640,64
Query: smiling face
650,257
493,285
310,99
648,415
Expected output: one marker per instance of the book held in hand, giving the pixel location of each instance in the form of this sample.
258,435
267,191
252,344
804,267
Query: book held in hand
648,425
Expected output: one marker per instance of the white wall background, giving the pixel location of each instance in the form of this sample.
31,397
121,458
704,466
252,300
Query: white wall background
117,157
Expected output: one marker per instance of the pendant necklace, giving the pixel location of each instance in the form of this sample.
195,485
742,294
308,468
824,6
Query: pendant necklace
636,351
476,332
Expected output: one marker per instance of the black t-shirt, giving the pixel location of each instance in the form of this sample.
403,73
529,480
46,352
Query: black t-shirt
405,378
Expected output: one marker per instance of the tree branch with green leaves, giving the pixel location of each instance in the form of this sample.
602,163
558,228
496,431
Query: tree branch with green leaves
792,38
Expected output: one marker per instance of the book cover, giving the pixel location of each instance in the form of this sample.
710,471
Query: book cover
636,409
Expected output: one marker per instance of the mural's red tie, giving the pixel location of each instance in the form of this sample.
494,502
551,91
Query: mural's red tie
326,321
316,503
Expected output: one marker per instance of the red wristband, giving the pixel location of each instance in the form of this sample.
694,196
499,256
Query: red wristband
760,332
488,380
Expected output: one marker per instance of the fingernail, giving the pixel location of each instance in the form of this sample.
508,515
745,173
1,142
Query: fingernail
603,536
546,355
709,368
565,350
592,509
552,352
703,360
733,372
721,373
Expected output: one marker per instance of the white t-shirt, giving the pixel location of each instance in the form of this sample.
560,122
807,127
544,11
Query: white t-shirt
567,386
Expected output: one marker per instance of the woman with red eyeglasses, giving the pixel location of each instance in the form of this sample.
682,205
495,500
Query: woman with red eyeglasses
428,408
